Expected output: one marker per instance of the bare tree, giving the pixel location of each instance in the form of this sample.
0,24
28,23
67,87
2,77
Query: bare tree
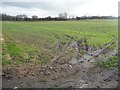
63,15
34,17
21,17
24,16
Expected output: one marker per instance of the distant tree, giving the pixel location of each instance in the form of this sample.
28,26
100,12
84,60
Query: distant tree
77,18
72,16
21,17
4,17
48,18
0,17
34,17
25,17
63,15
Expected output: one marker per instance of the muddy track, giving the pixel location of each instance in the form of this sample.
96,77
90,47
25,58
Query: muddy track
77,77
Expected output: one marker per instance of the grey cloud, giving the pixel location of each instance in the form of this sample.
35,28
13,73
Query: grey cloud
42,5
54,6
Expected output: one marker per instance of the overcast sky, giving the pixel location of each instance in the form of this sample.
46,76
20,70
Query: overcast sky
43,8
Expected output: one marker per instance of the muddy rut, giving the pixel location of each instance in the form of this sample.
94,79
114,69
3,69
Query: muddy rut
72,66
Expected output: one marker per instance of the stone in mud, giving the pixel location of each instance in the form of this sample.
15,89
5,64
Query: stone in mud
87,57
81,60
2,39
114,53
74,61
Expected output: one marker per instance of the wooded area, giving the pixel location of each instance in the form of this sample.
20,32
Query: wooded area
61,17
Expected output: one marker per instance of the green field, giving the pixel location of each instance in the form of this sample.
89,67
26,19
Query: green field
25,41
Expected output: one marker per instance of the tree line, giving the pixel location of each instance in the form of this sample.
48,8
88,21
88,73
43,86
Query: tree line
61,17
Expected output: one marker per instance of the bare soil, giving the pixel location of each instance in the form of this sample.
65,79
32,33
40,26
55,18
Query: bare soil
65,70
76,76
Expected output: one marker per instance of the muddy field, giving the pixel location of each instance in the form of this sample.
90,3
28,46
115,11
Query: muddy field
60,54
66,72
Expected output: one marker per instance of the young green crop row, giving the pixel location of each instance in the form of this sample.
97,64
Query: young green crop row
39,35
